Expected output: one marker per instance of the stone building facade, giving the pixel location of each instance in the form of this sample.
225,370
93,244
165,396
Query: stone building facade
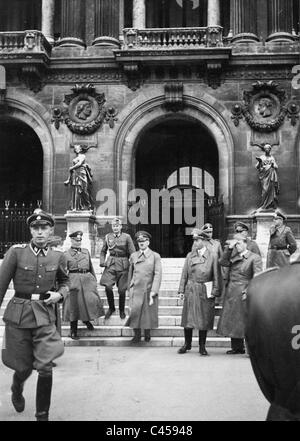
162,95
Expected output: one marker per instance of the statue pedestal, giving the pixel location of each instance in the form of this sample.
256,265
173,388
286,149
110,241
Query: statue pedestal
264,221
84,221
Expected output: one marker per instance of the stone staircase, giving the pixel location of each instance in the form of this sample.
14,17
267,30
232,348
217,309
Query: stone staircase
113,332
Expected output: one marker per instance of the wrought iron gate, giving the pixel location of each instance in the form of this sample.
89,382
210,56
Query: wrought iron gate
13,228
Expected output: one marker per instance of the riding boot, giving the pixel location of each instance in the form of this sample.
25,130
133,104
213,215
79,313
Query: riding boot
43,397
73,334
110,301
188,336
122,305
137,335
147,335
17,398
202,341
89,325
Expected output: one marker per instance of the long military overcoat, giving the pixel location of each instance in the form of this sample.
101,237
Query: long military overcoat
198,310
241,270
144,276
281,245
83,302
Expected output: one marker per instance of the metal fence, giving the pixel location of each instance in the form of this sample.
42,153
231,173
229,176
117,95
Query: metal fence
13,227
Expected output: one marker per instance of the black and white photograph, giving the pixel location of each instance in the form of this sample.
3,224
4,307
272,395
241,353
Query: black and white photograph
149,214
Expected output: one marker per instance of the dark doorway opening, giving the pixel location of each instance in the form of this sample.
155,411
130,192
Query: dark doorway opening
177,154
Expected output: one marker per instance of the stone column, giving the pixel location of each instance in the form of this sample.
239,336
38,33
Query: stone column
107,14
47,19
72,23
139,14
280,15
213,13
243,23
264,222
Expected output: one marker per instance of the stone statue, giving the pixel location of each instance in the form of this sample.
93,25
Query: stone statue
80,179
267,173
265,107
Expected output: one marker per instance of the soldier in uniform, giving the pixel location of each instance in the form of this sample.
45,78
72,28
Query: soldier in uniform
114,256
144,279
273,338
213,243
199,285
83,302
243,229
31,340
282,242
243,265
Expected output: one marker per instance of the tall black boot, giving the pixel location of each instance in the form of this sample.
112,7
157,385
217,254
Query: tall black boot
137,335
43,397
17,398
147,335
237,346
202,341
89,325
188,336
111,302
122,305
73,333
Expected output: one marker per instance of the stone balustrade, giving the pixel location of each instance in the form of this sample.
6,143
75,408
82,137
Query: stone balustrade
172,38
24,41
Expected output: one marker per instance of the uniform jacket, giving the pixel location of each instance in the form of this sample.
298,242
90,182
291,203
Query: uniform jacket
116,251
241,270
32,274
83,302
144,276
198,310
281,245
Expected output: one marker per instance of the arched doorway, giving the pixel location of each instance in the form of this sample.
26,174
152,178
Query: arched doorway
178,154
21,162
21,179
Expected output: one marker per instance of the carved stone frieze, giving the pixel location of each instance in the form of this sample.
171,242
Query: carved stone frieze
293,112
174,96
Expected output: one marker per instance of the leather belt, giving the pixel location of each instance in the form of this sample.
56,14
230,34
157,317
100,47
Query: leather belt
274,247
117,255
42,296
82,271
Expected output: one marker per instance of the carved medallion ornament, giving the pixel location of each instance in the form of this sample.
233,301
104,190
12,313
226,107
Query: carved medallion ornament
85,112
264,107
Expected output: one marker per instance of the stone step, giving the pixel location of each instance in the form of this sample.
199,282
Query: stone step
125,331
176,342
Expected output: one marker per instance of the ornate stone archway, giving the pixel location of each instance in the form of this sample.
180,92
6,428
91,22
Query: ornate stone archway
142,115
27,110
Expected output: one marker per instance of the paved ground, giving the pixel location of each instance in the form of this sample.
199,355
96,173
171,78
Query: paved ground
144,384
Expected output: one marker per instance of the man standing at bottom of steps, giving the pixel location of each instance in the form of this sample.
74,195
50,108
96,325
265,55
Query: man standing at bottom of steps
114,257
199,285
144,279
31,340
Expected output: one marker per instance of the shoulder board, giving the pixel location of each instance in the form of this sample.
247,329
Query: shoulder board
19,245
57,249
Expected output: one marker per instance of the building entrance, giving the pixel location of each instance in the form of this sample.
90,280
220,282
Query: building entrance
178,155
21,180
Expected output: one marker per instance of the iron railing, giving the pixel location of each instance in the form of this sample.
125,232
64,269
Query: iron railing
13,227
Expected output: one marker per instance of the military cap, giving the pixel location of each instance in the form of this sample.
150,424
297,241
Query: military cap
141,236
76,235
116,220
207,227
40,217
199,234
279,214
240,226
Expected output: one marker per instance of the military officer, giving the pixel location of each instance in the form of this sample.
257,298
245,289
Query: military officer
213,243
243,265
31,339
144,279
243,229
83,302
114,256
199,285
282,242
